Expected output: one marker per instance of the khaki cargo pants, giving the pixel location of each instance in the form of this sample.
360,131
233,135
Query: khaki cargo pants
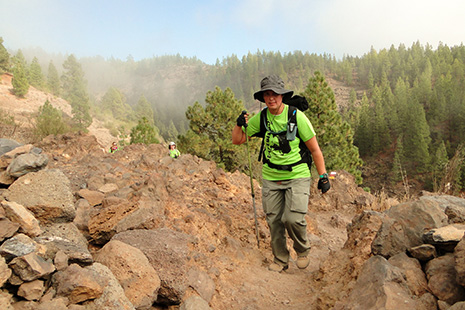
285,204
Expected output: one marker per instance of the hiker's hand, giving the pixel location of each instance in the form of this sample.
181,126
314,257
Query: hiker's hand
323,184
242,119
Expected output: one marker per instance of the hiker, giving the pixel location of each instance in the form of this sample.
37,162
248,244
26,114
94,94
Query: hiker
174,152
286,173
113,147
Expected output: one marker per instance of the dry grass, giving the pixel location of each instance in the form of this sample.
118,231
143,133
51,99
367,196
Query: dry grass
382,202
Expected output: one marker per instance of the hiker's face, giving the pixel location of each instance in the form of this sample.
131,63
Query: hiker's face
272,100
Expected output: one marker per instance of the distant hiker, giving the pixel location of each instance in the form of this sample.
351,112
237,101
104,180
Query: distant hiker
286,168
174,152
113,147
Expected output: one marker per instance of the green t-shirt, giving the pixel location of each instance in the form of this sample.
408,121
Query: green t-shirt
175,153
288,152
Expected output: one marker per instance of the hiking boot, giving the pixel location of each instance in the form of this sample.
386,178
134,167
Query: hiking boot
277,267
302,261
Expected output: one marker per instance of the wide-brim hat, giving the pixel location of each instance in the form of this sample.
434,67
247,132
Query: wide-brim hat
274,83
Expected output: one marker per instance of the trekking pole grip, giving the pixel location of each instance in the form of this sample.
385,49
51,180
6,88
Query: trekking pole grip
243,114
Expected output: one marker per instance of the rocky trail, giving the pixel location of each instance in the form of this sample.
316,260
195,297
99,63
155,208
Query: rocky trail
193,197
81,228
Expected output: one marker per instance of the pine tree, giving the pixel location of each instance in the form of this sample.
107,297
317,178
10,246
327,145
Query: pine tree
209,136
417,138
36,78
380,131
144,132
74,90
19,81
4,58
387,104
334,136
53,79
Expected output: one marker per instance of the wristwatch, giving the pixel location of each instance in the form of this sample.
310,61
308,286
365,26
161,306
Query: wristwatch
324,175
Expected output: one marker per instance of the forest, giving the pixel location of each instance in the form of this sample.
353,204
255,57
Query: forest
404,118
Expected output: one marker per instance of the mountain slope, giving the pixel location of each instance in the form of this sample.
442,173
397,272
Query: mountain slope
24,109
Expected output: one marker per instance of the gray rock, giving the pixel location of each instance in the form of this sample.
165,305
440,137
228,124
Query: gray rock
415,217
25,163
17,246
65,237
46,193
7,145
390,239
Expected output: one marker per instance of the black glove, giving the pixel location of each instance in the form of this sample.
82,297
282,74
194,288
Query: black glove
323,184
241,119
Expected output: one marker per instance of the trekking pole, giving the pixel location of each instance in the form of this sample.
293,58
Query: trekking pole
251,181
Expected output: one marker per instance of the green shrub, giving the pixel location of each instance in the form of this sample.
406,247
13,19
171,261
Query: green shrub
49,121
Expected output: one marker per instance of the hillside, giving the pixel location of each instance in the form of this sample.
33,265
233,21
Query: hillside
24,110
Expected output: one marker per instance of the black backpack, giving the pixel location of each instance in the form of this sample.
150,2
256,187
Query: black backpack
296,102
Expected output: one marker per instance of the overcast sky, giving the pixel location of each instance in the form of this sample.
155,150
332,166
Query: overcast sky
215,29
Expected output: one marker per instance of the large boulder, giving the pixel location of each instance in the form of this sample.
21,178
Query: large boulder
45,193
380,286
168,253
26,163
133,271
459,255
78,284
104,219
442,279
413,273
113,296
65,238
415,217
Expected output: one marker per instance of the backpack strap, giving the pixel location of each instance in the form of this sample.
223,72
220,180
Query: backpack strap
262,132
291,132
